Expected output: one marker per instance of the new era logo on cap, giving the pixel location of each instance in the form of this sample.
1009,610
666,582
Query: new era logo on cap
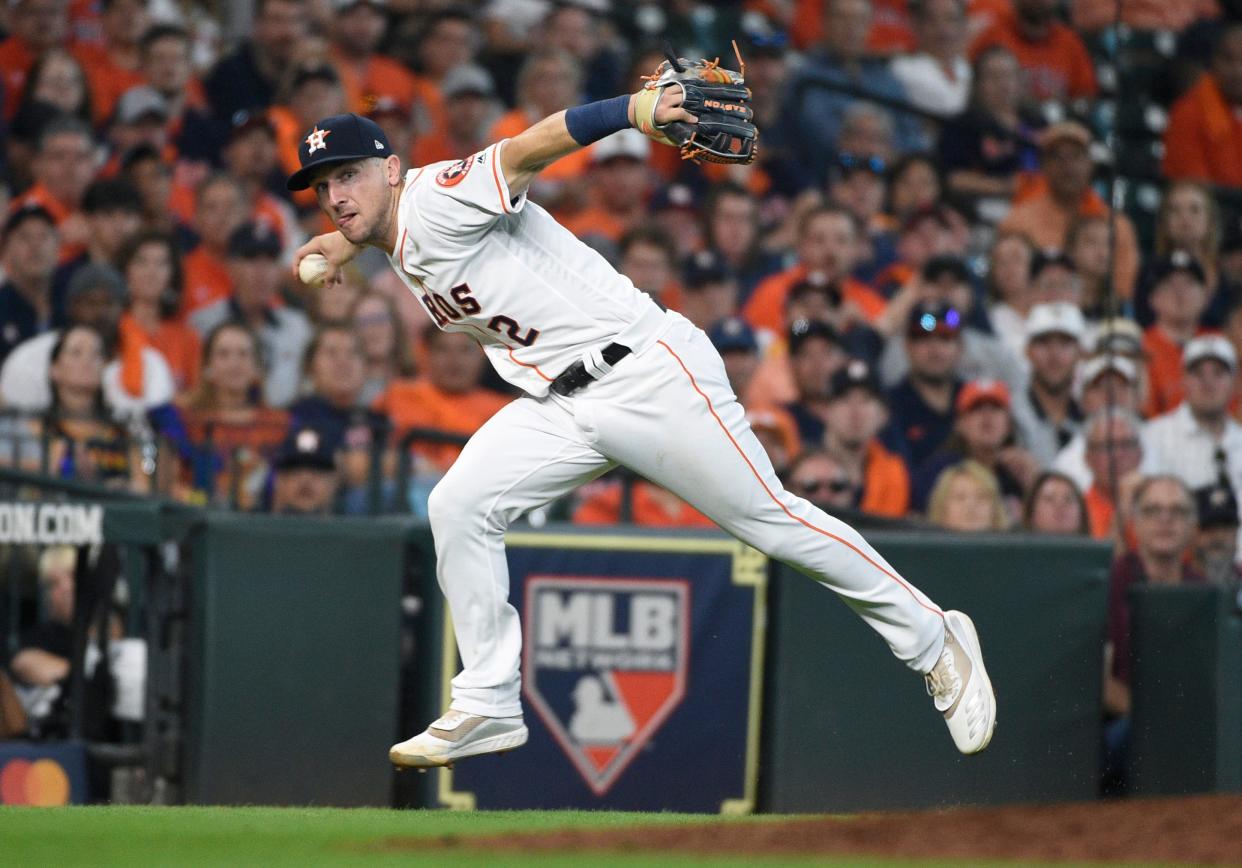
338,139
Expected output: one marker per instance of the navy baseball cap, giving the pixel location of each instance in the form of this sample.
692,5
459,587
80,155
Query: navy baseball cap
251,240
856,374
733,334
338,139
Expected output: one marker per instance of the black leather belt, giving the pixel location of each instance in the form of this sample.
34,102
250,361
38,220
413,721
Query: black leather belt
576,375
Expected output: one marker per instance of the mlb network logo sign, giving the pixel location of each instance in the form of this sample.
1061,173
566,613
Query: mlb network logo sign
605,665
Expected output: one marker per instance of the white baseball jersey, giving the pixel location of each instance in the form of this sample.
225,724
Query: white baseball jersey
502,269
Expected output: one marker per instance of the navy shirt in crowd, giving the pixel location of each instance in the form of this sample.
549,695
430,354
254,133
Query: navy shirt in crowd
920,429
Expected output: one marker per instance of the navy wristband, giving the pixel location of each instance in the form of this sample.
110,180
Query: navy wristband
595,120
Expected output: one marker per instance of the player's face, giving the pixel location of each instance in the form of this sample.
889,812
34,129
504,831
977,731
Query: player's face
356,196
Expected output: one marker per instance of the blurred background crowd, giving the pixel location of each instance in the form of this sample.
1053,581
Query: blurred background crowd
922,295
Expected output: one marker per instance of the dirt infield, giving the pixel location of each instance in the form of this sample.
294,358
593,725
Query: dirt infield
1203,830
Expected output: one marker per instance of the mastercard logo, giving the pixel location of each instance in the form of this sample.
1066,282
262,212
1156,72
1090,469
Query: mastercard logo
42,782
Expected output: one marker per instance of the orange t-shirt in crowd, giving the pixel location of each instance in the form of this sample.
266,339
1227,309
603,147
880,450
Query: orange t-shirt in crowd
566,168
773,381
1091,15
107,79
766,307
177,342
1057,68
16,58
419,403
428,93
39,195
886,483
207,280
650,507
373,79
1166,385
288,137
1203,141
1099,513
1047,224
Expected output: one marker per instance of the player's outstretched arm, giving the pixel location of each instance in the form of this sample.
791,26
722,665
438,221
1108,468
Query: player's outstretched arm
534,149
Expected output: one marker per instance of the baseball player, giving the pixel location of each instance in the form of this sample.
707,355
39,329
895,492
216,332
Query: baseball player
610,378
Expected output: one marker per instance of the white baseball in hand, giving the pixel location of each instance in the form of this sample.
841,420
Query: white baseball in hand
312,269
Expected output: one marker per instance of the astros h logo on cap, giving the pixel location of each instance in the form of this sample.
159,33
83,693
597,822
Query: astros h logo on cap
315,140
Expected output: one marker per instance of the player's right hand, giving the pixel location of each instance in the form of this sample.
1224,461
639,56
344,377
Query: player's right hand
334,247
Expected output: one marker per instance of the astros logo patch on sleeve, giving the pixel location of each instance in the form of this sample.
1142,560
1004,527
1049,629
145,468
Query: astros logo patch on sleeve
452,175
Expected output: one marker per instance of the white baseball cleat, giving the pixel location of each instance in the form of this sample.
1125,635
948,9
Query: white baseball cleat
455,736
960,687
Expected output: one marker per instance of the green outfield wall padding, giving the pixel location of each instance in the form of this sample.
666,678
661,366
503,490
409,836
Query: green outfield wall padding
294,666
848,727
1186,691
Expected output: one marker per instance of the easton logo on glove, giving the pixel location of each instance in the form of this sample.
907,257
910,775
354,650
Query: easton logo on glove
725,132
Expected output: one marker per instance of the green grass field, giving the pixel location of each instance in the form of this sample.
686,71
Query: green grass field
135,836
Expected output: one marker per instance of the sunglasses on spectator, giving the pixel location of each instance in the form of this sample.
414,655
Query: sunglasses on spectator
832,486
948,323
873,164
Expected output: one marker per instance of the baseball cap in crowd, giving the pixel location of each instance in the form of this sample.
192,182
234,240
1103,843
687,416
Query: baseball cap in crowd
1050,257
1217,506
251,240
93,276
387,107
339,139
1055,318
705,267
140,102
803,330
1118,335
110,195
938,266
933,318
978,392
23,213
467,79
304,449
1097,366
1209,347
1064,131
626,144
673,197
856,374
733,335
1178,260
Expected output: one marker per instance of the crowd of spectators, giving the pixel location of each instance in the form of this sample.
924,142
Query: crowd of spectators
924,301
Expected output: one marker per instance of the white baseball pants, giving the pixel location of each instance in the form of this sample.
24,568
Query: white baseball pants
669,414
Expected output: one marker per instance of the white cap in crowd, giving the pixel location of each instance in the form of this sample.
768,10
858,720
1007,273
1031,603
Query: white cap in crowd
1210,347
1058,317
1097,366
627,143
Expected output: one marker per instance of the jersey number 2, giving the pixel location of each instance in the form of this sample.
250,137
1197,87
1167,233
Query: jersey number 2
467,305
